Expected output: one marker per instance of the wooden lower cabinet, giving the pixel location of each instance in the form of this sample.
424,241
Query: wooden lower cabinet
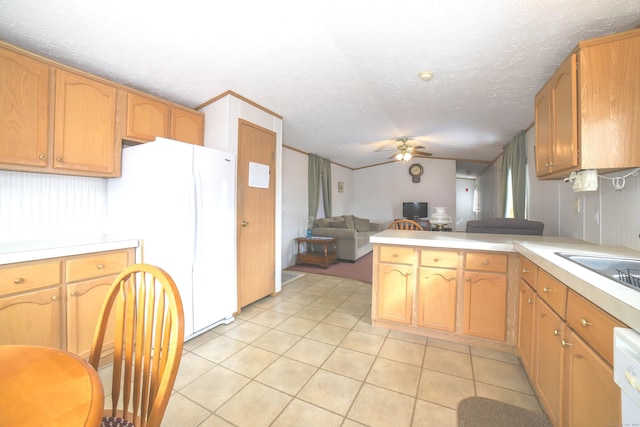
592,396
437,298
395,292
485,305
32,318
526,306
547,360
56,302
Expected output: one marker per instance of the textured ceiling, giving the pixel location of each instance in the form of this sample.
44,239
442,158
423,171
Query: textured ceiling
343,74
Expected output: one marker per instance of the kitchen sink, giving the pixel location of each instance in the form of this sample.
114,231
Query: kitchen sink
622,270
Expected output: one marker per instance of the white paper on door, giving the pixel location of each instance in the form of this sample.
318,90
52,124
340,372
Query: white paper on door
258,175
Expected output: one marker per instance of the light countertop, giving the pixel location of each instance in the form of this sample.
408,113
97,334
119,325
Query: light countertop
12,252
613,297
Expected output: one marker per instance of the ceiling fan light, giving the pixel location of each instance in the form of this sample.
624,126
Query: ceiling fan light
406,157
399,156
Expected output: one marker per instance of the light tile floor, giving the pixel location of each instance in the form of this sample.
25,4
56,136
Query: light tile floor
309,356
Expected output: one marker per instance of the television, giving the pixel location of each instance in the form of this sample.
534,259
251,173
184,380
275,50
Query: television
414,210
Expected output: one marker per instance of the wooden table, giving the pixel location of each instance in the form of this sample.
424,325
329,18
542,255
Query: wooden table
320,251
44,386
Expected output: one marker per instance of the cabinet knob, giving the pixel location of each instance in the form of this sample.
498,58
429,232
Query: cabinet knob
74,294
556,332
529,301
100,266
54,298
244,223
18,281
546,290
584,323
566,343
59,159
42,157
524,270
485,262
436,259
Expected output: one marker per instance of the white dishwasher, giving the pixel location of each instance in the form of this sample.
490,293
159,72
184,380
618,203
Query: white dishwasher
626,373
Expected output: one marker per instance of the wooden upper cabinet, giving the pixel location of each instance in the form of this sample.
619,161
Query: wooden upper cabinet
147,118
187,126
557,121
84,132
586,113
609,93
24,107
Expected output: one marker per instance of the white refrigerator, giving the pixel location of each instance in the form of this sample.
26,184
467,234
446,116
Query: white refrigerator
179,199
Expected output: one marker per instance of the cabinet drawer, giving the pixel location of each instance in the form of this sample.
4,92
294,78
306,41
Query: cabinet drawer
592,324
98,265
484,261
443,259
24,277
552,291
396,254
528,271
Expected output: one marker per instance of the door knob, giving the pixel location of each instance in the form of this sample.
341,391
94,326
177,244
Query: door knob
244,223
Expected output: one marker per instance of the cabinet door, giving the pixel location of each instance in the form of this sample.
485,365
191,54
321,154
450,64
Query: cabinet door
32,318
564,99
547,359
24,101
147,118
485,305
395,290
84,302
526,301
84,137
592,397
437,299
543,131
609,99
187,126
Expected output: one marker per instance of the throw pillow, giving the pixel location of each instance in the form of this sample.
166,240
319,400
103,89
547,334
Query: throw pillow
323,222
338,224
362,224
350,222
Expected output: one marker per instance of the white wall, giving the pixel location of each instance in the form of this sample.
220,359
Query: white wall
44,207
464,202
380,190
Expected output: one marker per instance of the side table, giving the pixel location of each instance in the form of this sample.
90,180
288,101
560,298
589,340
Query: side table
320,251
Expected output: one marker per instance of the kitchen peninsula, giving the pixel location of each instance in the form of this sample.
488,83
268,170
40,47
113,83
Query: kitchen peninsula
513,293
467,289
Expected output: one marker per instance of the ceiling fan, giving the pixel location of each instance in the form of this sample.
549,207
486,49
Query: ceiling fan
405,152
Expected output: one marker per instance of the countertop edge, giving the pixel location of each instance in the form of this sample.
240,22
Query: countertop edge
11,253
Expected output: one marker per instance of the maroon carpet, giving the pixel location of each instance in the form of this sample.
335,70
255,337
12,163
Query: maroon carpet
359,270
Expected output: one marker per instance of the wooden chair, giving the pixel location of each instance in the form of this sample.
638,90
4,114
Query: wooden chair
404,224
149,335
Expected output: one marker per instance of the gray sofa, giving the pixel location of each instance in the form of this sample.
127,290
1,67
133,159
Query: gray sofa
352,234
505,226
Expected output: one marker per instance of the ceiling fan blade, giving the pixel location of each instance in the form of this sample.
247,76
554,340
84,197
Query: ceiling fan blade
422,154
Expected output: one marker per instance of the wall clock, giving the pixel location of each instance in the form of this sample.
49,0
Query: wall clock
415,171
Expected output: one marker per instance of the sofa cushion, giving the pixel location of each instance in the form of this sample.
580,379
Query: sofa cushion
338,224
362,224
350,221
323,222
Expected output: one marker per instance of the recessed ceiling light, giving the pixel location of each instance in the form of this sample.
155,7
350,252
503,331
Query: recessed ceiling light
425,75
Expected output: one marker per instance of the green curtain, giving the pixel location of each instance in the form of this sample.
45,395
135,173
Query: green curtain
319,175
514,167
